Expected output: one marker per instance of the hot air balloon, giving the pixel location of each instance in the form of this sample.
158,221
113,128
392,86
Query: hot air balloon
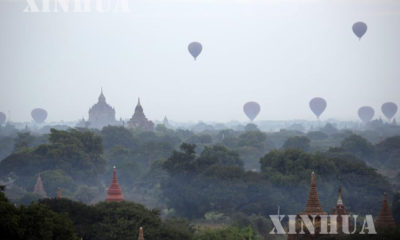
195,49
251,109
39,115
359,29
2,118
389,109
318,106
366,113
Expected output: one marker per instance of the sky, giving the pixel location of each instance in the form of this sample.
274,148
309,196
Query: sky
279,53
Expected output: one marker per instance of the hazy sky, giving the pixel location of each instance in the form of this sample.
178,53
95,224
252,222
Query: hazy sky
280,53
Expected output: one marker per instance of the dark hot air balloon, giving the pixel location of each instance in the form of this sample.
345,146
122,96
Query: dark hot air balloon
318,106
366,113
195,49
39,115
359,29
2,118
389,109
251,109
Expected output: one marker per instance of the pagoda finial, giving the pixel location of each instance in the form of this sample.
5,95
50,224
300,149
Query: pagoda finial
138,102
141,234
340,200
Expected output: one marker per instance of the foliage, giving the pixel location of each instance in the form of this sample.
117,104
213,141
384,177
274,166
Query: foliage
77,154
120,221
227,233
35,221
297,142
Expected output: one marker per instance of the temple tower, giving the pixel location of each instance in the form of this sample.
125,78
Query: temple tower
140,234
340,210
139,120
385,217
39,189
114,193
101,114
59,195
313,207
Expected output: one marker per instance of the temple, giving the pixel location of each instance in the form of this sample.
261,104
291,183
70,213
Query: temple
140,234
385,217
139,120
313,207
340,210
101,114
114,193
39,189
166,122
59,195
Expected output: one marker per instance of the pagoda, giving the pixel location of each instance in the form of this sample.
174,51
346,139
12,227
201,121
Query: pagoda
385,217
139,120
140,234
340,210
59,194
39,189
101,114
114,193
313,207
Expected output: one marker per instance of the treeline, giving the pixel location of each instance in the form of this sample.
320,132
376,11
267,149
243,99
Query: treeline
220,177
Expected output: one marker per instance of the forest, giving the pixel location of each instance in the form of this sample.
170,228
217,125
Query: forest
189,184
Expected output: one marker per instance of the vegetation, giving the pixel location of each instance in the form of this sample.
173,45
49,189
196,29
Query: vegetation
226,180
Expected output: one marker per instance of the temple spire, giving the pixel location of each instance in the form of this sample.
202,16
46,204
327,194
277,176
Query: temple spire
313,205
385,217
140,234
340,200
59,196
39,189
101,97
114,193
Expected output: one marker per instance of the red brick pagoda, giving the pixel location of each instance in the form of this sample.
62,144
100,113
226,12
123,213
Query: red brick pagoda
385,218
114,193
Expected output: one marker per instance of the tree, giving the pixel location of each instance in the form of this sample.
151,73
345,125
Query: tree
360,147
118,136
117,221
76,153
396,207
297,142
388,153
35,221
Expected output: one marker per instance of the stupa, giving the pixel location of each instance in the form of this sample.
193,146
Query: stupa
114,193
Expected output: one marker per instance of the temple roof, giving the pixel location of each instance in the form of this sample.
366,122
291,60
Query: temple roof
114,193
385,217
313,206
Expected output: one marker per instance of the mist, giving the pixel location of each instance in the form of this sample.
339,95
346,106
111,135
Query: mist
278,53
